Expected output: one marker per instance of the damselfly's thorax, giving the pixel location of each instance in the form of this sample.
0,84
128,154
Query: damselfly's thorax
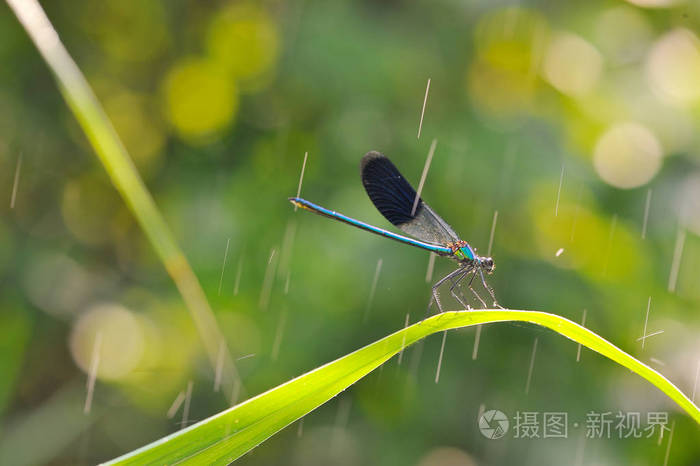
464,254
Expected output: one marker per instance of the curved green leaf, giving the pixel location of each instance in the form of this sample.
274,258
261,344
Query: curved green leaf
226,436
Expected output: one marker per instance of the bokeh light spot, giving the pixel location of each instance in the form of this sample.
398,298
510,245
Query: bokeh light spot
243,39
121,340
56,284
312,447
138,126
200,99
241,331
623,34
689,203
656,3
571,64
673,66
501,79
628,155
446,456
591,250
88,206
128,31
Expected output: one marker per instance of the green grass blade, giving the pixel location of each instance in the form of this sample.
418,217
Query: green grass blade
121,170
226,436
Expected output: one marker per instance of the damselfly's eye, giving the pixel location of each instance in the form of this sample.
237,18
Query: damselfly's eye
487,264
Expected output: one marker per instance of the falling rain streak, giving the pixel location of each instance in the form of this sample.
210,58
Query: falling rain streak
285,260
186,407
647,205
403,341
583,324
658,332
287,244
343,414
92,375
580,449
644,336
15,184
493,231
223,266
532,365
561,180
341,421
431,267
268,281
477,337
423,176
373,289
235,391
670,439
279,333
442,351
301,177
422,112
482,409
646,321
676,264
219,366
176,404
695,385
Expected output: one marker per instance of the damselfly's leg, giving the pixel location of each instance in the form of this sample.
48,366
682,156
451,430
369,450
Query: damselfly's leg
435,295
483,303
455,284
489,289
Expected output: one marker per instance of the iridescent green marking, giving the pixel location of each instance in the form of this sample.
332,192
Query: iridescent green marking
463,254
467,251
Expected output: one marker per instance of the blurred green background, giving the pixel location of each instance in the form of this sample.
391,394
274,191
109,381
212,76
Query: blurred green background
568,118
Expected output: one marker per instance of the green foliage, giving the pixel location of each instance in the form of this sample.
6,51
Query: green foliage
217,104
226,436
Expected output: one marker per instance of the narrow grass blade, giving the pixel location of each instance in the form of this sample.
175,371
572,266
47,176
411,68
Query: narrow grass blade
226,436
121,170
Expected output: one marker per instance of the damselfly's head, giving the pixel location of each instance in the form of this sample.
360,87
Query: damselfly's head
487,264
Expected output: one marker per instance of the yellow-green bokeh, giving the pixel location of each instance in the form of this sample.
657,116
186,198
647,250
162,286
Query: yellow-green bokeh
200,99
243,39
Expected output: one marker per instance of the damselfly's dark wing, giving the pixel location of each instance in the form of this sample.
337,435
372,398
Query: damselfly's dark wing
394,198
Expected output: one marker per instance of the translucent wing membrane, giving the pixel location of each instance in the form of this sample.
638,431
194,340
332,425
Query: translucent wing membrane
393,196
